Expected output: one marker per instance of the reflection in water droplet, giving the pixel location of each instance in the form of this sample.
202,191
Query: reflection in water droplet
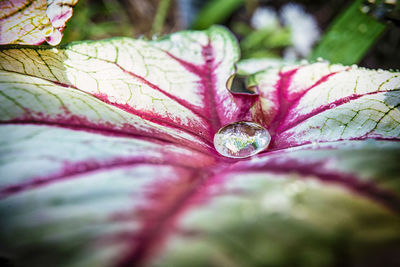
241,139
332,106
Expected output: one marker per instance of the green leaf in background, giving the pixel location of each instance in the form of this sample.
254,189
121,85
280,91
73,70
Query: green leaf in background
349,37
115,21
263,42
215,11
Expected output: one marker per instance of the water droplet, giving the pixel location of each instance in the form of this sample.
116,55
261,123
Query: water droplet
303,61
241,139
332,106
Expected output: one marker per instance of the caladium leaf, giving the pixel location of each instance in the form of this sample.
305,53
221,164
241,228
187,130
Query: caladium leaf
107,158
34,21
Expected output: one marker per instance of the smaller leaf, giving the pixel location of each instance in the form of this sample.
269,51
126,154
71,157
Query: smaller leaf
33,22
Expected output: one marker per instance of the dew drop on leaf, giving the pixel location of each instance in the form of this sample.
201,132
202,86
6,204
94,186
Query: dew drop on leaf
241,139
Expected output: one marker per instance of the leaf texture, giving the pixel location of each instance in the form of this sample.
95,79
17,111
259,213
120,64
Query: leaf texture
107,158
34,21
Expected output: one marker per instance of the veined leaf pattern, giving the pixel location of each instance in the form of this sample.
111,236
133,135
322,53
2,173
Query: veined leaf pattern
34,21
107,158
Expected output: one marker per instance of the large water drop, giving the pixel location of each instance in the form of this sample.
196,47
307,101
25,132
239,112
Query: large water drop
241,139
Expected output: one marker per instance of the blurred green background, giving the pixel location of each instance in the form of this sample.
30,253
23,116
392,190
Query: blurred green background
365,32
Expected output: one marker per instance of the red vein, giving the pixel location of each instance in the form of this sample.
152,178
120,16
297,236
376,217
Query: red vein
209,83
283,103
156,228
323,108
205,73
153,118
107,131
150,237
180,101
129,109
78,170
292,104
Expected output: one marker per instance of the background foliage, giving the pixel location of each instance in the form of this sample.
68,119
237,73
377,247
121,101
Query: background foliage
377,32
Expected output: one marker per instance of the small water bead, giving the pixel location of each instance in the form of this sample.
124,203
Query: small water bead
241,139
304,62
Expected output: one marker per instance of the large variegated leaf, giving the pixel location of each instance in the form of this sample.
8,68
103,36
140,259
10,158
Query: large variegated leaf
34,21
107,158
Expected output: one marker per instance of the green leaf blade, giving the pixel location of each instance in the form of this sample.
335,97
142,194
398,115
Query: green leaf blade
350,36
